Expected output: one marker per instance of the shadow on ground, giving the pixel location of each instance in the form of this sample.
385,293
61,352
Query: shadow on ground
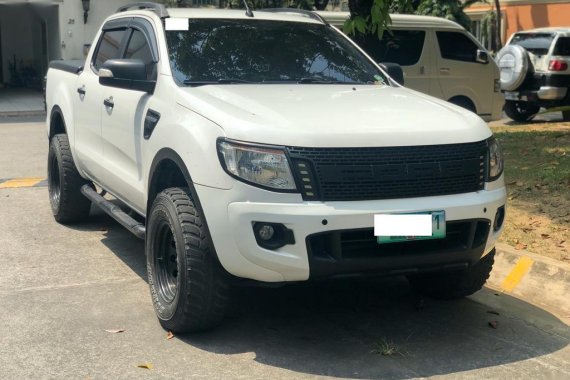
342,328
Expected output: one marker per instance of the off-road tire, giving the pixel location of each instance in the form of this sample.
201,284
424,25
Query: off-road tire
458,284
188,287
520,111
566,115
68,205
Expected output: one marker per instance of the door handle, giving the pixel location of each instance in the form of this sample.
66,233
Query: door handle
109,102
81,90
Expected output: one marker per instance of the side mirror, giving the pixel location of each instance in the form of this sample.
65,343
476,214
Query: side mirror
482,57
394,70
129,74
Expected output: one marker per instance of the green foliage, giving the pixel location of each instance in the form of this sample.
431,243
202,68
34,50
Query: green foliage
450,9
372,16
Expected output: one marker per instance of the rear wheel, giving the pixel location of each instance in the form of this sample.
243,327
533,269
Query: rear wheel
566,115
188,289
464,103
68,205
520,111
452,285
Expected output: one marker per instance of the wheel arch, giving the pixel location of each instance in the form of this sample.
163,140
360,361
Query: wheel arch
168,170
463,101
56,122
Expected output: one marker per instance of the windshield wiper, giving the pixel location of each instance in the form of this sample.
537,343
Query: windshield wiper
324,81
190,82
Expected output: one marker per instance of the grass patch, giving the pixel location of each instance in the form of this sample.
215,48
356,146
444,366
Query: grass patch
537,173
387,348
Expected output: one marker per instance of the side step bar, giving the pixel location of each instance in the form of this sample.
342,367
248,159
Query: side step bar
137,228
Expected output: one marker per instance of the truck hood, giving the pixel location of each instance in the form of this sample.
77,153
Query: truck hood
319,115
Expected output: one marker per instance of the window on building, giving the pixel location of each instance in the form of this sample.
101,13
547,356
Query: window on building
456,46
403,47
138,48
109,46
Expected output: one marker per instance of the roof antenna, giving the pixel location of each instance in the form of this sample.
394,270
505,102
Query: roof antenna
248,11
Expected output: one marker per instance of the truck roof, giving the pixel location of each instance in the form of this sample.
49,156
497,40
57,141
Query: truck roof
282,15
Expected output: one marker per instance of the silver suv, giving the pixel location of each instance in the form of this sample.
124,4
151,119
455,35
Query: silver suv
535,72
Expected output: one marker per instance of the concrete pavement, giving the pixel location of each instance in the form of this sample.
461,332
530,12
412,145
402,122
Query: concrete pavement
62,286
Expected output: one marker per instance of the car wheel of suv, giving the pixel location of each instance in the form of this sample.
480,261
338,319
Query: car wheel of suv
187,285
451,285
520,111
566,115
68,205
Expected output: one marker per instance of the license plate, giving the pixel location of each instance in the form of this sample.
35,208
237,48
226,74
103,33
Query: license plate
393,228
512,95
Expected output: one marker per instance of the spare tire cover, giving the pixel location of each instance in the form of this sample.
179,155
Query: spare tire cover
513,63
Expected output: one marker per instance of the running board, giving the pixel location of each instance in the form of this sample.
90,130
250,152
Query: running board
137,228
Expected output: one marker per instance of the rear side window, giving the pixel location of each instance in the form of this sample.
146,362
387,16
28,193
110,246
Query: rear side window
562,46
403,47
109,47
536,43
456,46
138,48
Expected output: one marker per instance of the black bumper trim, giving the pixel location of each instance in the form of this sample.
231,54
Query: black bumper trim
347,253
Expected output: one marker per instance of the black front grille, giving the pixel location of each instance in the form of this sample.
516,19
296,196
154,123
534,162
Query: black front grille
348,174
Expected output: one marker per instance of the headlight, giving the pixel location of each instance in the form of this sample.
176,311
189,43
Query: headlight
262,166
494,160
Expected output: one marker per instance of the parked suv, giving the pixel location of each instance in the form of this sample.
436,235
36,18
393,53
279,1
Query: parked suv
267,148
439,58
535,72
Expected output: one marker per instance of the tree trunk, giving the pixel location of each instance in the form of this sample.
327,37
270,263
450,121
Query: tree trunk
498,39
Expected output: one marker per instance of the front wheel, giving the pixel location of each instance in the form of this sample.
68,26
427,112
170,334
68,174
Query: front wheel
520,111
188,289
68,205
451,285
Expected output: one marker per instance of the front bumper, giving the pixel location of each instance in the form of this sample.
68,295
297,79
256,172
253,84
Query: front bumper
230,221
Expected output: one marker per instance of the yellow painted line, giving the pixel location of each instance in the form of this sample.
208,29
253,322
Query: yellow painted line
20,182
520,269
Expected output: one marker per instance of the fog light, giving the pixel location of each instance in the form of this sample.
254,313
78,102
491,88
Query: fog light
499,218
272,235
266,232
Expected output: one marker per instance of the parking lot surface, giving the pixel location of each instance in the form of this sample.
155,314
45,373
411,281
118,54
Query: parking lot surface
62,287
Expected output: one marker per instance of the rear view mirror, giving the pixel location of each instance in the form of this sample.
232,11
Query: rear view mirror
482,56
394,71
129,74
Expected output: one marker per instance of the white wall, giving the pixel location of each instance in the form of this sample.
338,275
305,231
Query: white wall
74,33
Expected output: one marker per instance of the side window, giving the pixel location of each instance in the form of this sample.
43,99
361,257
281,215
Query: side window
456,46
562,46
403,47
138,48
108,47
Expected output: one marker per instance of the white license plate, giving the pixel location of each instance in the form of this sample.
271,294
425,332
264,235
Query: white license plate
390,228
512,95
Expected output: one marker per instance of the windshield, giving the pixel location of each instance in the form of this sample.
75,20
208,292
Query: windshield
260,51
536,43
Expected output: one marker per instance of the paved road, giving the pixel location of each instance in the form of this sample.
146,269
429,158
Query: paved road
62,287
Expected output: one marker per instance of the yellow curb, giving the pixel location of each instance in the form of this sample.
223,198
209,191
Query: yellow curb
20,182
520,269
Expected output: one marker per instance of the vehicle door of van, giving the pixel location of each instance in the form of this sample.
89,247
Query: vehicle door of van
407,47
87,105
123,118
461,77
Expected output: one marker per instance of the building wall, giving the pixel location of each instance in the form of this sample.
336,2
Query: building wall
527,14
74,32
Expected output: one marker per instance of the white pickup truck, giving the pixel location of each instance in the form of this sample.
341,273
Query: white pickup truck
266,147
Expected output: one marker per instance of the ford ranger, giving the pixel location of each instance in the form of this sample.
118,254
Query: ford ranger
266,147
